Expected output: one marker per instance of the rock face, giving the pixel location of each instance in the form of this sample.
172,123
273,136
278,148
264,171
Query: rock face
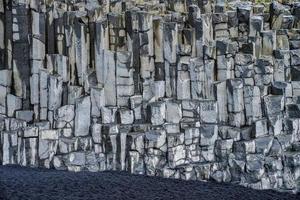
202,90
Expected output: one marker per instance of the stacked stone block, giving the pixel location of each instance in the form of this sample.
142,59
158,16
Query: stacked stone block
197,90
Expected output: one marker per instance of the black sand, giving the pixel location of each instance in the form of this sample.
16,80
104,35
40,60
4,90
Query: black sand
17,183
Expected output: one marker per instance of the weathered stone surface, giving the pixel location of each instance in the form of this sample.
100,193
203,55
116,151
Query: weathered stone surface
14,103
30,132
55,92
26,115
49,134
126,116
158,113
197,90
64,116
108,115
82,116
208,135
97,101
5,78
173,112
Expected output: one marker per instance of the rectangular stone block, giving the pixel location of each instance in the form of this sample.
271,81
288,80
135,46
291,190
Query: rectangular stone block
157,113
82,116
49,134
173,111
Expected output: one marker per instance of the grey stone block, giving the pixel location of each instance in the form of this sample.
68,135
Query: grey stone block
82,116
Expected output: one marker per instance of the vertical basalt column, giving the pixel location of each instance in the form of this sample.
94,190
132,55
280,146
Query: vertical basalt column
176,150
101,42
244,12
107,77
9,143
112,147
235,99
268,44
221,97
2,34
170,56
208,33
133,44
220,25
50,30
97,101
282,68
183,84
55,95
158,34
187,44
58,64
159,77
37,56
194,13
124,130
209,78
199,42
124,78
252,100
70,44
135,152
21,53
43,91
145,29
60,33
8,33
155,152
196,72
83,116
27,147
232,24
256,24
81,53
117,33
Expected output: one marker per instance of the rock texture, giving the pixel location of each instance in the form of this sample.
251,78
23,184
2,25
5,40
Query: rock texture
201,90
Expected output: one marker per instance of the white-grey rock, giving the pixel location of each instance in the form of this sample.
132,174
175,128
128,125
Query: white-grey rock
82,116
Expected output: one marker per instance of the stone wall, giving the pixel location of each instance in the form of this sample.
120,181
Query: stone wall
190,89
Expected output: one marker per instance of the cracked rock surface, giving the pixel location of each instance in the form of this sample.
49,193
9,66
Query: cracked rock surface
193,90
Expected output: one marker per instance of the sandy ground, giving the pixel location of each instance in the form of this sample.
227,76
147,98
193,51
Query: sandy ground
17,183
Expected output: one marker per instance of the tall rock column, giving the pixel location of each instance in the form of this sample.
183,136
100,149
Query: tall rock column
159,78
21,53
170,56
37,56
145,28
2,34
235,97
